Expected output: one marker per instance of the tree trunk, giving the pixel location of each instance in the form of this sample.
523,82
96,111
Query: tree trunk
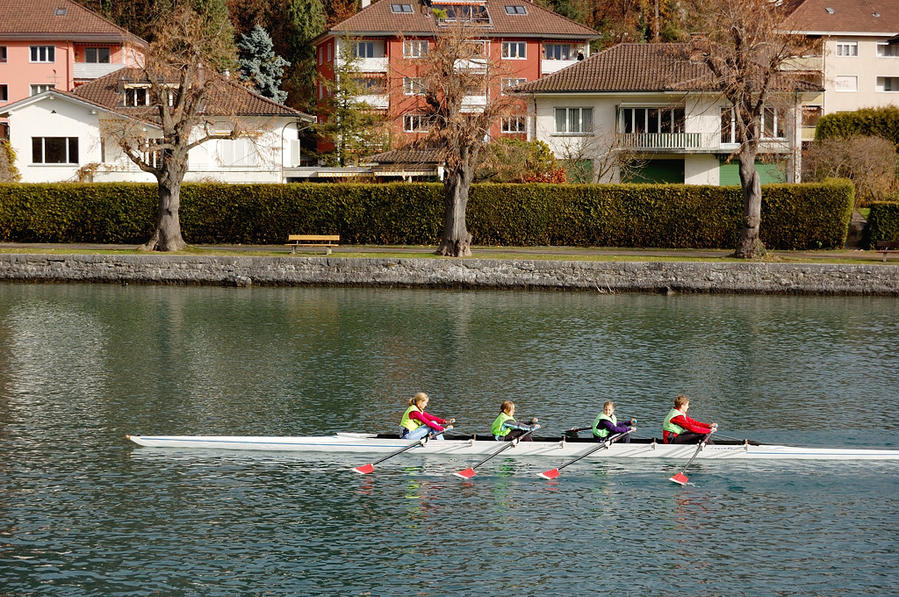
456,241
167,236
749,245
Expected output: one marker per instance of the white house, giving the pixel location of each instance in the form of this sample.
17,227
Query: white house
67,136
859,55
647,100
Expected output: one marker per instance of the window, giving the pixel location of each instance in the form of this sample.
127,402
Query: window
463,13
96,55
773,122
557,51
328,49
401,8
512,82
652,120
40,88
415,123
137,96
884,50
364,49
237,152
54,150
61,12
846,83
478,48
515,124
2,53
811,115
43,54
729,131
415,48
847,48
516,9
576,121
4,93
413,86
887,84
371,85
514,49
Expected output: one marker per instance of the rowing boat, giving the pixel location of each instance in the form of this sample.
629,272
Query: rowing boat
481,445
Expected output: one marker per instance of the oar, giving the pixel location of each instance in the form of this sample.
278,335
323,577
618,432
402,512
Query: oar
553,473
370,468
470,472
681,478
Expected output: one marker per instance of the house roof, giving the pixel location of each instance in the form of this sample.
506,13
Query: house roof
227,98
378,19
632,67
846,16
59,19
407,155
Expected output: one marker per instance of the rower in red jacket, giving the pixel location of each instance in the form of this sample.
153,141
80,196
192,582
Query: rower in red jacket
678,428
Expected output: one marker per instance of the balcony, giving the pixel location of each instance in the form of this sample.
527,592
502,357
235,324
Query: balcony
550,66
375,101
371,65
473,103
661,141
94,70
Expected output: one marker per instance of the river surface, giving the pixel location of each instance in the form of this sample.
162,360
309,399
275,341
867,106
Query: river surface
84,512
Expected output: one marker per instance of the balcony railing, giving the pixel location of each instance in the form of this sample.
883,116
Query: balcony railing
650,141
95,70
379,101
371,65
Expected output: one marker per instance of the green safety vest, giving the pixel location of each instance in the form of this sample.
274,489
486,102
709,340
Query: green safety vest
409,423
497,427
603,433
669,426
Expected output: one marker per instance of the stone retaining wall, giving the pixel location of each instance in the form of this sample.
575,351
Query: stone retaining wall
758,278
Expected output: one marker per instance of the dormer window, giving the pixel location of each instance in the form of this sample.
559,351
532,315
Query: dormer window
516,9
464,13
401,8
137,96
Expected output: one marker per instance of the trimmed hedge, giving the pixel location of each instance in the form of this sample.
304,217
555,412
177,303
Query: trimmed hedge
874,122
883,222
793,216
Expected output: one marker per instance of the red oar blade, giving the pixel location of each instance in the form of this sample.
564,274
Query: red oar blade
364,469
550,474
680,479
466,474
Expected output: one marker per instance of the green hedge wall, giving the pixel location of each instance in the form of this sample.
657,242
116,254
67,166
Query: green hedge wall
877,122
793,216
883,222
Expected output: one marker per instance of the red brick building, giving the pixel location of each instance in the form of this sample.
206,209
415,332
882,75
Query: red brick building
390,40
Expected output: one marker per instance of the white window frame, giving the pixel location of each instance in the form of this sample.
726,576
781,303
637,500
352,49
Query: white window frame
413,86
516,9
134,91
845,79
778,115
887,50
36,88
415,123
415,48
41,54
547,56
887,84
358,45
847,49
515,125
570,112
508,82
237,153
43,157
402,8
515,50
663,114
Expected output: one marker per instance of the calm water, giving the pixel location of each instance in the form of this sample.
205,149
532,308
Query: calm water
82,512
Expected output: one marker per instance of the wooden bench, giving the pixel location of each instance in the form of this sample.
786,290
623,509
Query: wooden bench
313,240
886,247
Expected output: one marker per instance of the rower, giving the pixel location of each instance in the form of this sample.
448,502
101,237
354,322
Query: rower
416,423
506,428
678,428
606,423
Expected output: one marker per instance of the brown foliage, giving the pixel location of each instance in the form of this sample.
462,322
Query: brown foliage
869,162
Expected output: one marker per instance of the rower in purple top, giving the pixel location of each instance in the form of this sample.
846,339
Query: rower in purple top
606,424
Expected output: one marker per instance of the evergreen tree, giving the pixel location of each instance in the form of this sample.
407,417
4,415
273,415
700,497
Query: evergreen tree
260,65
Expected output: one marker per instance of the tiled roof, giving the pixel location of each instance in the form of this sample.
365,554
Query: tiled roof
52,17
378,19
846,16
405,155
227,97
633,67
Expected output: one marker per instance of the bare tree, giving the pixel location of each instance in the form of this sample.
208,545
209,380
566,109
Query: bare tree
179,87
458,68
869,162
747,49
601,157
